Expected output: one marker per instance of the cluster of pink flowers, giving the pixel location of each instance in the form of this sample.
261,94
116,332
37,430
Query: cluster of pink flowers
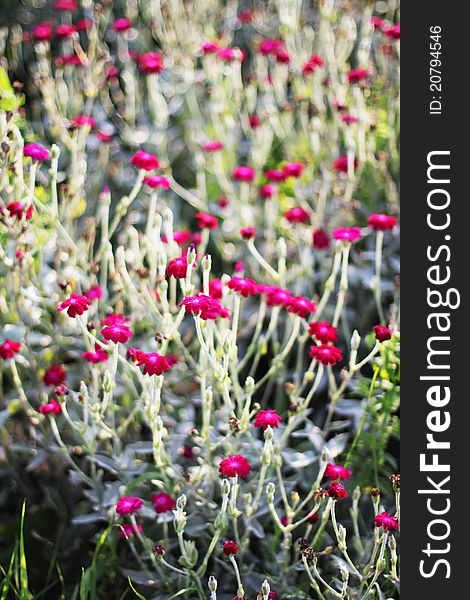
206,307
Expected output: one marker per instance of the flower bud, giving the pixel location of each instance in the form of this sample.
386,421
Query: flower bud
355,340
206,262
265,589
212,584
270,491
181,502
191,255
55,151
249,385
268,433
225,487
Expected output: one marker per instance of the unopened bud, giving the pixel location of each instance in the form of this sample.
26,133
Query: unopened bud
212,584
355,340
206,262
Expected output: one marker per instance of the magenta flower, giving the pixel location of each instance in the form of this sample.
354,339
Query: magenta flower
380,222
357,75
75,305
382,333
42,32
52,407
212,146
297,215
157,181
268,46
163,502
393,32
230,548
336,472
54,375
114,319
206,307
243,173
36,152
278,296
326,355
267,191
150,62
248,233
94,293
275,175
144,161
128,505
178,267
64,30
215,289
68,5
347,234
134,354
121,25
234,465
98,356
341,164
206,221
153,363
301,306
386,521
83,121
337,491
9,348
348,119
242,285
267,418
323,331
293,169
209,48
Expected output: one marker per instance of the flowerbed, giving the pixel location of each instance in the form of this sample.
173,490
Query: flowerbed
199,301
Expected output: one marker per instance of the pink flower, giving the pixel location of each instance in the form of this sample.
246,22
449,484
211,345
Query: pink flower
206,221
36,152
180,237
267,47
83,121
117,333
206,307
134,354
153,363
178,267
52,407
230,548
227,54
336,472
254,121
278,297
323,331
382,333
326,354
104,136
128,505
215,289
163,502
243,173
348,119
313,63
212,146
347,234
157,181
313,518
83,24
98,356
275,175
297,215
267,418
144,160
64,30
377,22
121,25
393,32
94,293
357,75
209,48
114,319
54,375
75,305
16,209
267,191
223,202
66,5
42,32
386,521
61,390
9,348
246,16
337,491
301,306
242,285
320,239
282,56
234,465
293,169
248,233
150,62
380,222
341,164
127,530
